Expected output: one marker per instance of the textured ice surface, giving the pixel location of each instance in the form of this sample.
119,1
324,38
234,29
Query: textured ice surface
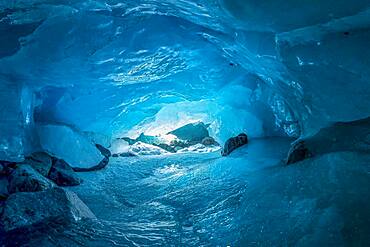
267,68
248,198
151,66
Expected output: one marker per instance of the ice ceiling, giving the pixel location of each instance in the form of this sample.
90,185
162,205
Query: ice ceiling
274,67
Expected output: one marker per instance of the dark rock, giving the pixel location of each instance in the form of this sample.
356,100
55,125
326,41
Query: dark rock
3,188
99,166
6,167
115,155
147,139
104,151
233,143
25,179
179,144
127,154
337,137
298,152
63,175
128,140
56,204
166,147
194,132
40,161
209,141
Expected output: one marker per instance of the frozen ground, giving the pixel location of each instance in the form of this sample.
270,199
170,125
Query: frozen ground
247,199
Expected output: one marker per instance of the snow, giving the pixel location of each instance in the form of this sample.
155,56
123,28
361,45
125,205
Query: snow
141,148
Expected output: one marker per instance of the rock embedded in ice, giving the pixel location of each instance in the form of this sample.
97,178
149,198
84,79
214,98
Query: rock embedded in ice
99,166
233,143
67,144
40,161
298,152
340,136
104,151
166,147
55,204
208,141
6,167
126,154
63,175
25,179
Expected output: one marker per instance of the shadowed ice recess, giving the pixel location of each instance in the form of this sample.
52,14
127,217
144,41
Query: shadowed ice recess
128,105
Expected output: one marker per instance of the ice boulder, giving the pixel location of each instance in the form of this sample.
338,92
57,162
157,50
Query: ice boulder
56,204
119,146
65,143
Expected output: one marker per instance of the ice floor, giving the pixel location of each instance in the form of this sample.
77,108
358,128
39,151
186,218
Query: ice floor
247,199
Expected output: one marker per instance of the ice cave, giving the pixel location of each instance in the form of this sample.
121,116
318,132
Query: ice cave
184,123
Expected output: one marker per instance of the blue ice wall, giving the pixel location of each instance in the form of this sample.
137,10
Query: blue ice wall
115,69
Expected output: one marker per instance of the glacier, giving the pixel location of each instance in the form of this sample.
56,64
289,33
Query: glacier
292,75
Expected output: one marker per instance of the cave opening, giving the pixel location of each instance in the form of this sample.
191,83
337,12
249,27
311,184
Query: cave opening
184,123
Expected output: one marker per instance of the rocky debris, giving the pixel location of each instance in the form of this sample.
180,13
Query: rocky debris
209,141
3,187
127,154
194,132
179,144
166,147
298,152
99,166
104,151
56,204
6,167
233,143
25,179
62,174
185,137
40,161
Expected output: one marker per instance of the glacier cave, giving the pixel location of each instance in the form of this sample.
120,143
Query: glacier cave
184,123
